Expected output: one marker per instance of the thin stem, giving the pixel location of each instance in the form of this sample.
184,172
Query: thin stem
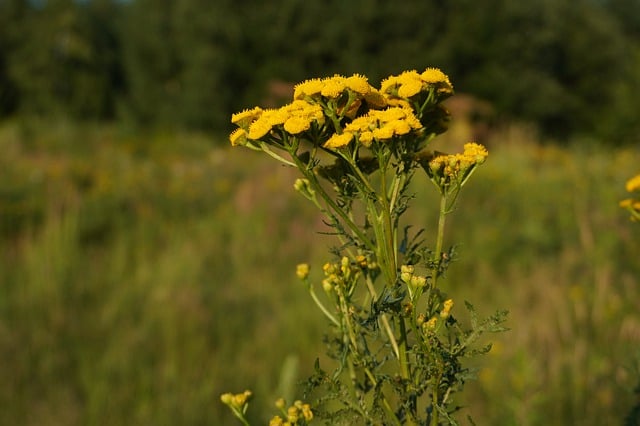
440,238
320,305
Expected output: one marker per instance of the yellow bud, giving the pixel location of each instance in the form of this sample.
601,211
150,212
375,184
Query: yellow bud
307,413
327,286
226,398
280,403
418,281
446,310
302,271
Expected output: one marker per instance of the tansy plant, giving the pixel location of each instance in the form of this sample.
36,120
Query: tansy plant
396,342
633,204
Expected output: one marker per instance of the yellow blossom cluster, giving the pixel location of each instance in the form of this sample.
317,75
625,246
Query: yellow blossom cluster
447,168
294,118
297,414
411,83
377,125
632,204
237,401
339,274
366,113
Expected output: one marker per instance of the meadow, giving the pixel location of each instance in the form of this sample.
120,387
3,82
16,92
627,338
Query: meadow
143,275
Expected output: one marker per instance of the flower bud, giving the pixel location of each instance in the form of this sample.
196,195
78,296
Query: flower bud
302,271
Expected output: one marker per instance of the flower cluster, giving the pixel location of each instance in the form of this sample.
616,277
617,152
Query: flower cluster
633,204
297,414
238,403
377,125
411,84
447,169
333,112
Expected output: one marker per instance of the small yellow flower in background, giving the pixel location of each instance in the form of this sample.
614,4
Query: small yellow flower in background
302,270
632,204
633,184
430,325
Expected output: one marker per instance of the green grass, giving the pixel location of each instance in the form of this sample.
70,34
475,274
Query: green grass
141,277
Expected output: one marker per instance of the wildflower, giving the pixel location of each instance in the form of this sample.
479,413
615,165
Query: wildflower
339,140
633,184
246,117
276,421
410,87
333,86
308,88
238,137
430,325
302,271
358,84
259,128
446,310
295,125
406,272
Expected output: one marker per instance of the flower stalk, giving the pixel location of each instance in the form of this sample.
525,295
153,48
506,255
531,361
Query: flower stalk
396,345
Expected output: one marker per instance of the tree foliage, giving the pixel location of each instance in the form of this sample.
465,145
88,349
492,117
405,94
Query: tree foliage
569,66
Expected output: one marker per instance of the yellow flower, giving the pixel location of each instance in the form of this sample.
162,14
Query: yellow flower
339,140
295,125
389,84
366,138
276,421
633,184
246,117
446,310
238,137
381,133
333,86
258,129
476,151
302,270
358,84
306,412
308,88
434,75
410,88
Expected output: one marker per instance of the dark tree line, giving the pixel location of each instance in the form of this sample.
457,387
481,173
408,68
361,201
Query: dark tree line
571,66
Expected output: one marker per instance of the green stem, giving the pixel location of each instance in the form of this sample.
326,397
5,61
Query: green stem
439,238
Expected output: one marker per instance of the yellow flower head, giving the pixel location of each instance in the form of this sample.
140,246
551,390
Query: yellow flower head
259,128
246,117
333,86
308,88
446,309
633,184
295,125
434,75
476,152
339,140
358,84
238,137
302,271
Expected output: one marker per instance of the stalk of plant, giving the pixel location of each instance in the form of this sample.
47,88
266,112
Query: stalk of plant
397,346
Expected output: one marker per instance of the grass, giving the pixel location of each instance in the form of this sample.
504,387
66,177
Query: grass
141,277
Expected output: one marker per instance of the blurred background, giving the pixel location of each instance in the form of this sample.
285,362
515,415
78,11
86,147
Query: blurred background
146,267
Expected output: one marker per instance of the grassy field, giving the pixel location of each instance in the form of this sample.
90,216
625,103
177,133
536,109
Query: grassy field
141,277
